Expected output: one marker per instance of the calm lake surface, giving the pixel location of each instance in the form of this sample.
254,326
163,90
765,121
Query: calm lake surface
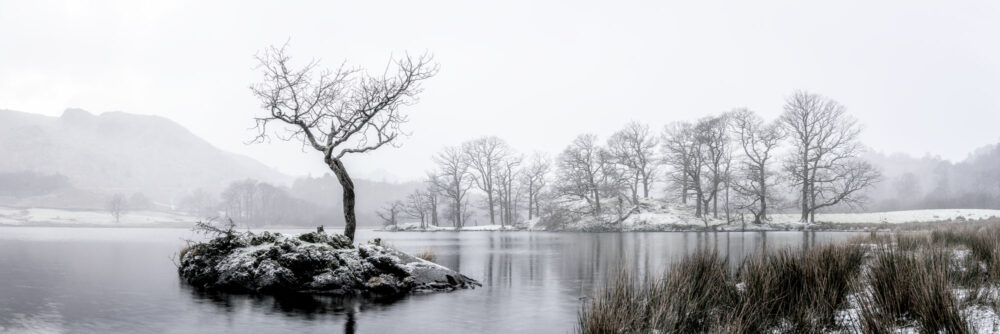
123,280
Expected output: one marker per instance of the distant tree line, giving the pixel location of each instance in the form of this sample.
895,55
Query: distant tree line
734,165
508,186
253,203
20,184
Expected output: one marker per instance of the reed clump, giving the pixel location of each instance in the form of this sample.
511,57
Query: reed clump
798,291
875,283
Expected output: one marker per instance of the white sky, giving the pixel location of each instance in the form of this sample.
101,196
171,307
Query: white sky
923,77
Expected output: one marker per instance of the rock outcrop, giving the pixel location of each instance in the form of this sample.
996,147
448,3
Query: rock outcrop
314,262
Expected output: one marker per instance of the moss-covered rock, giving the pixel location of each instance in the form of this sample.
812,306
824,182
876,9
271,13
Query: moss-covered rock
311,262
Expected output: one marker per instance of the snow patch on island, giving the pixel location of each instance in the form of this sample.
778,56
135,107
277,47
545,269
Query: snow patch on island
311,263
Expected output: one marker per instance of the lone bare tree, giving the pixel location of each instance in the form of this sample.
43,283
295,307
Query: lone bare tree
825,162
634,147
338,112
758,141
117,206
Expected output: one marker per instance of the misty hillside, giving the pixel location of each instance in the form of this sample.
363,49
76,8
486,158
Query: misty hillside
120,152
930,182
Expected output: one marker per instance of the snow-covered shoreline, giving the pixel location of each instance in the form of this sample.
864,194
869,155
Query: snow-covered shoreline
91,218
657,216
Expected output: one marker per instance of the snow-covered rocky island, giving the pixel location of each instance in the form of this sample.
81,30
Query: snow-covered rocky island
315,262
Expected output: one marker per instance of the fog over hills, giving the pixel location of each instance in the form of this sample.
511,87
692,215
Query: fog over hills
121,152
79,160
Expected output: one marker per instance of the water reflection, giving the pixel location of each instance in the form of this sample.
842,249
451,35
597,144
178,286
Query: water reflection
104,280
305,307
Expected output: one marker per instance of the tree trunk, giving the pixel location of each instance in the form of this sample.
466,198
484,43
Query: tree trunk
434,212
805,186
762,194
350,221
645,187
684,189
489,200
635,190
812,202
728,217
697,204
531,199
715,197
458,214
597,201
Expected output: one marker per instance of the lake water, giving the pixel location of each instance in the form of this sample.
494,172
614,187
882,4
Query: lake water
123,280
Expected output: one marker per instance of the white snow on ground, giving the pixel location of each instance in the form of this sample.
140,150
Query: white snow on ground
431,228
659,215
896,217
39,216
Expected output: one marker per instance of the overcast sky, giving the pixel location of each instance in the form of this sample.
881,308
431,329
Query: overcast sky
922,77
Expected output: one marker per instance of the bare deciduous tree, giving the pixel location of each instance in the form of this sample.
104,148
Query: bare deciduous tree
338,112
418,206
758,141
456,181
585,171
682,154
389,214
485,156
633,147
433,194
117,206
713,135
535,178
825,162
507,191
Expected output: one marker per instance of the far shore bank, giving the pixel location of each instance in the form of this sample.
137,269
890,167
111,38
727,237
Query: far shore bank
791,227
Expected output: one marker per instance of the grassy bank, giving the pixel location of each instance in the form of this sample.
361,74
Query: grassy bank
930,281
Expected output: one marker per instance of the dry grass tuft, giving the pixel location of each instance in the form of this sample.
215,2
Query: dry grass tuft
427,255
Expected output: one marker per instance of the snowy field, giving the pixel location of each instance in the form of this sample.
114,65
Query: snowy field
896,217
37,216
657,215
430,228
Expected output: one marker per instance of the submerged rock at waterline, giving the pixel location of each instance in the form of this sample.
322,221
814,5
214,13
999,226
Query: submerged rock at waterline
311,263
